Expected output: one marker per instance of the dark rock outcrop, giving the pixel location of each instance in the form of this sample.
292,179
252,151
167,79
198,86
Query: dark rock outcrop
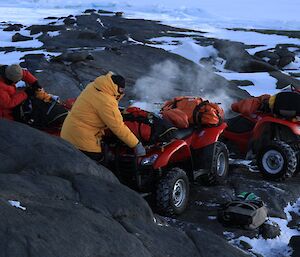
238,59
13,27
270,230
295,244
278,57
89,11
74,57
35,29
115,33
69,21
37,153
19,37
58,202
284,80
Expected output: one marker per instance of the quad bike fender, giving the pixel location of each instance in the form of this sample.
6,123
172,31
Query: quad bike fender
207,136
260,125
176,151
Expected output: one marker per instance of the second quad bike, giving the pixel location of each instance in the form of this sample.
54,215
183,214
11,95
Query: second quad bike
272,142
169,167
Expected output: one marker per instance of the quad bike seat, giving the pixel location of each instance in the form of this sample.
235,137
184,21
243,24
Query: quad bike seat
183,133
239,124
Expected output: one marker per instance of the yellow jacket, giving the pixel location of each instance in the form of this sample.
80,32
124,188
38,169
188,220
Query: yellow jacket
94,110
272,102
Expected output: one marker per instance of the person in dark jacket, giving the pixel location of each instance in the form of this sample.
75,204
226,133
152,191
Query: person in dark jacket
10,96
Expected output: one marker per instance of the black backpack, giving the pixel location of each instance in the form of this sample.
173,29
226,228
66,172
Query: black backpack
40,114
287,104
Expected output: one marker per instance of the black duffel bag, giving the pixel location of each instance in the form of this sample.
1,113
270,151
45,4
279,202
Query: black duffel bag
287,104
40,114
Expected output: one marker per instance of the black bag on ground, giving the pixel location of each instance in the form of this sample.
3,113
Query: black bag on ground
287,104
40,114
248,214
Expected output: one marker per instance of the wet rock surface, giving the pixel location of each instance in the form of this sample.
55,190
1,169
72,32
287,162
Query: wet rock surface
19,37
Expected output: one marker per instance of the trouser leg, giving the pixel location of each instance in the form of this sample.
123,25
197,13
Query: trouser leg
97,157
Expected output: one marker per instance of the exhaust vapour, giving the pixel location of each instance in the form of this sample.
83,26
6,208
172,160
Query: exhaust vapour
167,80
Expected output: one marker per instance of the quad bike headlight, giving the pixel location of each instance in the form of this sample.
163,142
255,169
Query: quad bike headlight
149,160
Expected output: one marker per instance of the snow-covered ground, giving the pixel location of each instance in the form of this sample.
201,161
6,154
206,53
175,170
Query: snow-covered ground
188,13
210,16
278,246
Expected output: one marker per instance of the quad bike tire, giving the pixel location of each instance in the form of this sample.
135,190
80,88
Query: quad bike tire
277,161
296,148
172,193
218,172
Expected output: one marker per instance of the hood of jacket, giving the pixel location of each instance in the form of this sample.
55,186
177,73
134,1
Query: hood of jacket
106,85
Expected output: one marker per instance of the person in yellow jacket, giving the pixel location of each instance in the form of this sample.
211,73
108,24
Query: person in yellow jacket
95,110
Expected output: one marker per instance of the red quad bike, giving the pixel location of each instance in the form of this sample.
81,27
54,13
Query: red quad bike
273,142
169,167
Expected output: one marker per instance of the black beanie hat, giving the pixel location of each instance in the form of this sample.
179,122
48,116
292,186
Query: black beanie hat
118,80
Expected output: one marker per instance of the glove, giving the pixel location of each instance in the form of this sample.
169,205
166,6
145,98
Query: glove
140,149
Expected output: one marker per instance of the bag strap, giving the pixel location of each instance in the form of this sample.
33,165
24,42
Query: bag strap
57,117
242,203
197,116
175,102
139,119
51,107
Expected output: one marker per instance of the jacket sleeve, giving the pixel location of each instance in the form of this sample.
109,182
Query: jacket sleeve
113,119
28,77
11,101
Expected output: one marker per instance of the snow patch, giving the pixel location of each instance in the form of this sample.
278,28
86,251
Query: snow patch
53,33
16,204
278,246
15,57
263,82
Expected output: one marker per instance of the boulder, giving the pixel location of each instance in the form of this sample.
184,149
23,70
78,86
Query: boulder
51,18
35,29
270,230
279,56
295,245
69,21
286,56
18,37
242,83
73,57
89,11
39,153
104,12
284,80
238,59
115,33
13,27
119,14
